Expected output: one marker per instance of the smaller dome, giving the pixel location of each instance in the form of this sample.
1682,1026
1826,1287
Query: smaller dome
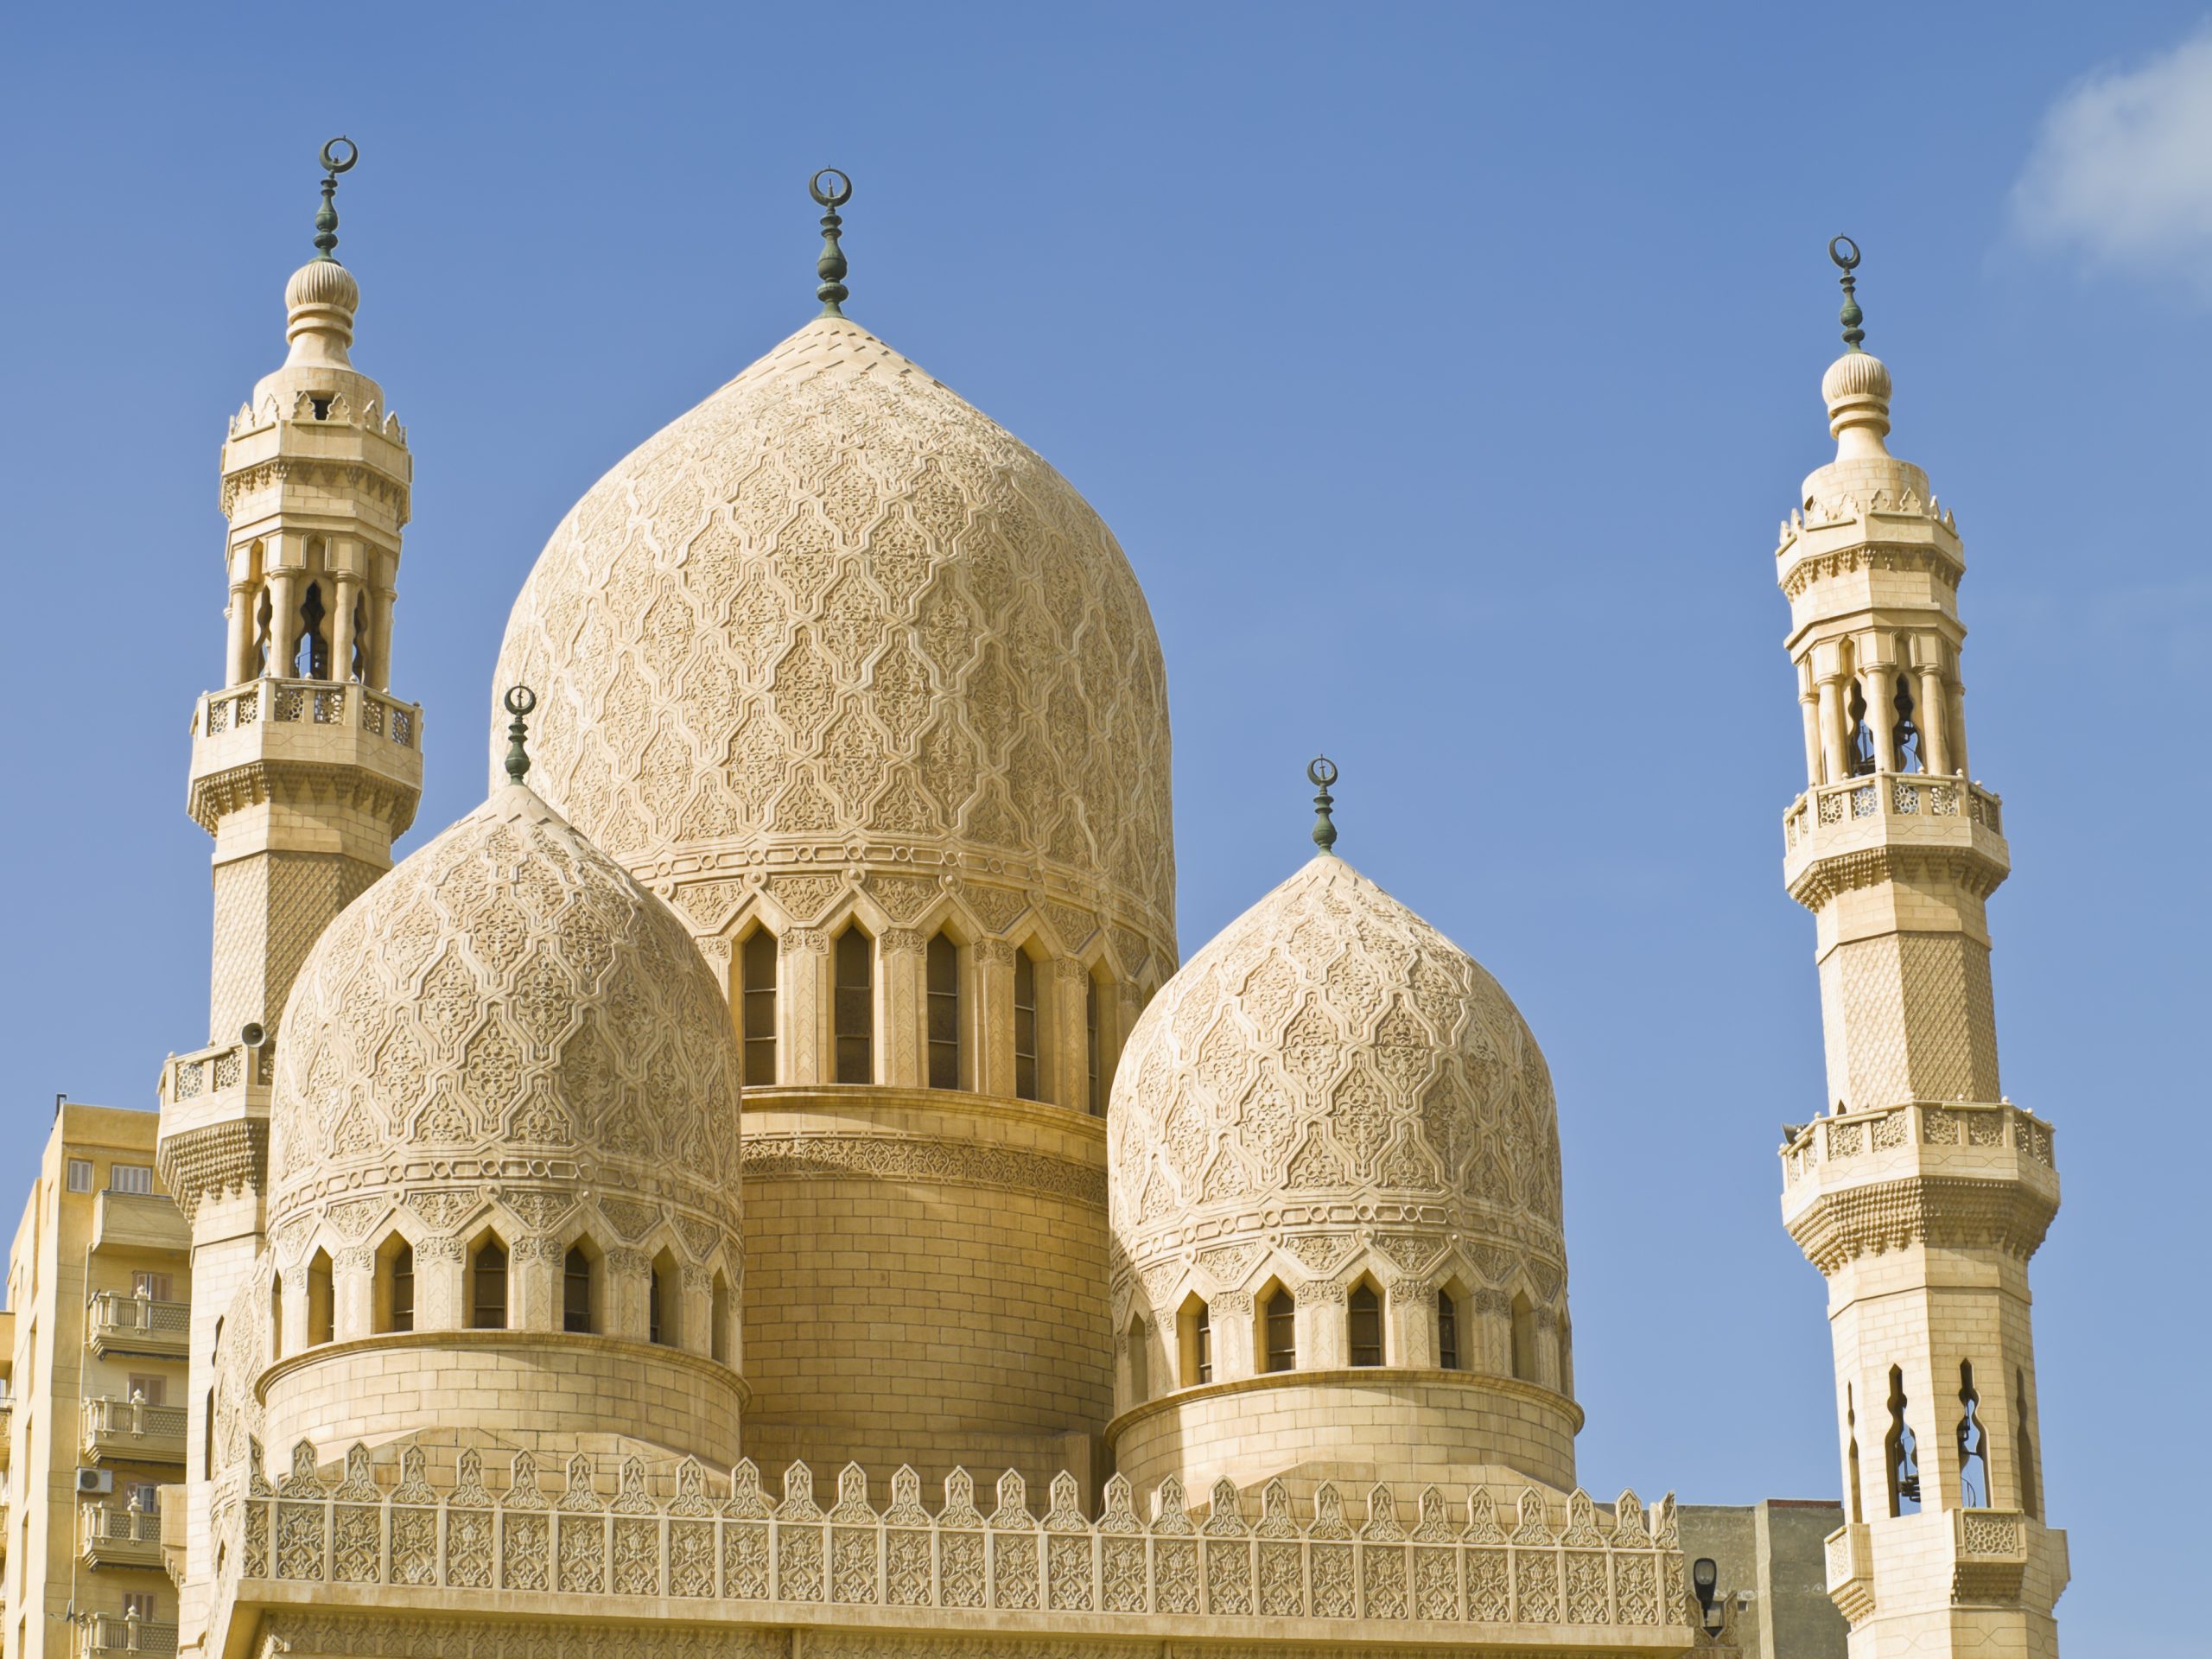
319,303
322,281
1333,1086
1856,374
508,1013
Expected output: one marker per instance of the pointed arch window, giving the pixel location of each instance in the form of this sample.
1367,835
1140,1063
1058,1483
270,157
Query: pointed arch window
1140,1360
1973,1444
1026,1025
943,973
718,1333
2031,1486
396,1285
487,1286
1524,1337
1094,1059
1365,1318
579,1288
1901,1451
1194,1332
664,1316
756,1012
1860,762
1447,1329
1279,1328
322,1311
1905,734
855,1012
314,655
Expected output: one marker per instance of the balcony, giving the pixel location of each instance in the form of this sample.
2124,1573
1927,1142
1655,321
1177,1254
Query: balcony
131,1431
139,1221
137,1325
1897,814
241,732
107,1633
115,1536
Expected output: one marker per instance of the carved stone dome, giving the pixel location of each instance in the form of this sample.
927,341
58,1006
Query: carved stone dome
835,610
507,1017
1331,1088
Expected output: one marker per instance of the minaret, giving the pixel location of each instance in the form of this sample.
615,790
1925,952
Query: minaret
304,769
1921,1192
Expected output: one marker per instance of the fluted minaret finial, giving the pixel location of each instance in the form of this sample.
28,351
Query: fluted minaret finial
1321,774
1851,316
520,700
830,267
335,161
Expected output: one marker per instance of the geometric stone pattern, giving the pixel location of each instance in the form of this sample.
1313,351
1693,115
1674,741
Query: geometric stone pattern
507,1002
1910,1016
269,910
1328,1062
835,606
1496,1557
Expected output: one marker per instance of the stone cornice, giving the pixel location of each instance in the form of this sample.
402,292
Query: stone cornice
1365,1379
1954,1212
1811,565
214,1161
1971,868
300,783
945,1162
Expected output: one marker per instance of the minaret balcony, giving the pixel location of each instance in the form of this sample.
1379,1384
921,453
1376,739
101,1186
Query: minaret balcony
1920,1170
215,1128
1845,833
338,728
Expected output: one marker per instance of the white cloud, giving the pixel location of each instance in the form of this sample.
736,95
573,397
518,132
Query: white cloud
2122,172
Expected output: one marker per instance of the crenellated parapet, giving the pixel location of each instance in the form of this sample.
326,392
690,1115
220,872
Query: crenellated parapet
672,1542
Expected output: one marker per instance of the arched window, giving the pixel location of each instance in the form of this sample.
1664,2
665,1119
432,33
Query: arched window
1860,757
1447,1328
276,1316
1026,1025
1850,1451
1364,1318
1140,1360
1279,1328
358,668
314,655
394,1301
855,1012
263,617
2031,1486
665,1314
1900,1452
1524,1337
718,1334
944,977
487,1284
1194,1337
578,1275
208,1439
757,999
1094,1056
323,1319
1973,1444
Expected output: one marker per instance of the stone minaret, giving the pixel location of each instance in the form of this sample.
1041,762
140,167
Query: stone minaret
303,769
1921,1192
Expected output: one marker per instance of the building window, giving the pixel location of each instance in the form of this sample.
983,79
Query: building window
1901,1451
149,1391
855,1006
1524,1338
1024,1025
487,1286
664,1315
80,1175
130,1178
1366,1323
1973,1444
154,1286
402,1316
719,1332
1093,1059
1194,1332
575,1291
1278,1326
138,1605
757,968
276,1318
1140,1361
1447,1330
944,974
2031,1486
323,1312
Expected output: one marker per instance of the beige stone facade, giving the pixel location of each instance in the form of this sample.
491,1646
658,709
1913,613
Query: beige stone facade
762,1183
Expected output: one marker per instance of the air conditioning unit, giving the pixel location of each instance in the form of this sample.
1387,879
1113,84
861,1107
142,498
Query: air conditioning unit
95,1482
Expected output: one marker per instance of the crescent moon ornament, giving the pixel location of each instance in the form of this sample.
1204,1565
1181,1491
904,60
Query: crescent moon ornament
330,161
1844,261
1322,774
521,699
838,195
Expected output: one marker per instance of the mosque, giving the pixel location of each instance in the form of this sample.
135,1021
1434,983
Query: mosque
767,1182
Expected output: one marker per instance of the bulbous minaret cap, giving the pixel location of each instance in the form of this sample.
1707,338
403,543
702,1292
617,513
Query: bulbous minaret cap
322,297
1857,385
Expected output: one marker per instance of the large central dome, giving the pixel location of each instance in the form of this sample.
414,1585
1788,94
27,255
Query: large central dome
836,613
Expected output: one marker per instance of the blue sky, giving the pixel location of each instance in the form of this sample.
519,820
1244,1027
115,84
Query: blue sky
1444,371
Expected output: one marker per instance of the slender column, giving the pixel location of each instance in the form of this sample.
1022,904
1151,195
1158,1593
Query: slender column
1879,683
1070,1054
992,1022
237,644
1493,1333
1835,735
1809,703
341,628
283,620
353,1289
1934,720
380,654
695,1330
903,964
1232,1332
1410,1312
1955,734
802,1012
1322,1312
629,1294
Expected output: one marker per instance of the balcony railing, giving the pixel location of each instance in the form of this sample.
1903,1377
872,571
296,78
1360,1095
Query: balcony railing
117,1535
117,1633
1894,795
138,1325
318,703
133,1431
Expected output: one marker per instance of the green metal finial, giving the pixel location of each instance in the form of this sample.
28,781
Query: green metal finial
830,267
1321,774
1851,316
520,701
326,217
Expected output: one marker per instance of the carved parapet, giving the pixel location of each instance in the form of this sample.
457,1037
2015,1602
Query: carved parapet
215,1128
1487,1567
1969,1173
324,740
1850,1571
1863,830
